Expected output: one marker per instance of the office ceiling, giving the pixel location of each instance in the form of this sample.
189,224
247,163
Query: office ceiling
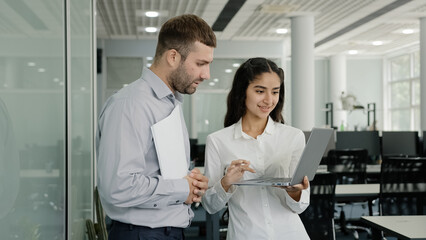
340,25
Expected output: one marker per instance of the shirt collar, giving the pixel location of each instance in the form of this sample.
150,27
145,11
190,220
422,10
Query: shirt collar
160,88
238,130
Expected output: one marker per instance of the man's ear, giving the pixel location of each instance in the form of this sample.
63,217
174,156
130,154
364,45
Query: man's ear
173,58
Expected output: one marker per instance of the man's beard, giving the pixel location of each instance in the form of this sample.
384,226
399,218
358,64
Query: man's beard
181,81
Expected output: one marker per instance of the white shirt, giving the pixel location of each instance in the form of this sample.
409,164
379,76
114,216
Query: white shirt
256,212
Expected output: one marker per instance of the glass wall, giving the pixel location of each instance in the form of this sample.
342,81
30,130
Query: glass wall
45,119
80,116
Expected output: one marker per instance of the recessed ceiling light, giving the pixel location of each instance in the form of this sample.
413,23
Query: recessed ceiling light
377,43
281,30
353,52
215,79
236,65
408,31
149,58
31,64
152,13
211,84
41,70
151,29
228,70
148,64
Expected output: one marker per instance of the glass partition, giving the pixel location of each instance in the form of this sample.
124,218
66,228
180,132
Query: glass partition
80,118
45,159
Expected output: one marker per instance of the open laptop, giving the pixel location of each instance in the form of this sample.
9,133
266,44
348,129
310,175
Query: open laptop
308,163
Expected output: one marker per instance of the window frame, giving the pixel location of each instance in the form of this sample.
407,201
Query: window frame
413,105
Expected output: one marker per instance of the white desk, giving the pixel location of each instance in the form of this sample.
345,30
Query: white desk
403,227
358,193
357,190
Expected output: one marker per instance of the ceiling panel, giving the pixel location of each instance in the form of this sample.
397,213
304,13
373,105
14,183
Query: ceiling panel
340,25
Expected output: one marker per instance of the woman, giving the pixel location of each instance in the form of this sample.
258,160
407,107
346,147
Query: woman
256,143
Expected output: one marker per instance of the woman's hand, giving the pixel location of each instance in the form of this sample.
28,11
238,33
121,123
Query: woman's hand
235,172
295,191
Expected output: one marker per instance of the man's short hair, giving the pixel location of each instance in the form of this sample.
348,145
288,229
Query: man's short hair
181,32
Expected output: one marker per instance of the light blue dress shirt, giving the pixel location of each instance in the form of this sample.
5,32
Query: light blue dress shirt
130,184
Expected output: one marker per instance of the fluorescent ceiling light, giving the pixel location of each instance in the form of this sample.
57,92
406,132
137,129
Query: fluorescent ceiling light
353,52
408,31
377,43
151,29
281,30
152,13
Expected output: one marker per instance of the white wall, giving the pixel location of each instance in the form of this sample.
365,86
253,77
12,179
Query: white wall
364,75
365,81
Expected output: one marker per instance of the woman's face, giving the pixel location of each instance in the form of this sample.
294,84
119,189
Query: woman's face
262,95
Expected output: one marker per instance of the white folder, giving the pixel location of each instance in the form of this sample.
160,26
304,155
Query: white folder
170,147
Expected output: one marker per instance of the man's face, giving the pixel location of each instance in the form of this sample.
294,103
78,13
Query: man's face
195,69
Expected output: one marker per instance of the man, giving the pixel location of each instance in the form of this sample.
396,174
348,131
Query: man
140,202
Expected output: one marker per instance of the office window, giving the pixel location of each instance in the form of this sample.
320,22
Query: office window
403,94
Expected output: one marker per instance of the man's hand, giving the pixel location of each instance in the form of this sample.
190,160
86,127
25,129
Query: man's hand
198,184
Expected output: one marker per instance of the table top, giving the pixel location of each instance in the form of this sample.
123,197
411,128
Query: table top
403,227
355,190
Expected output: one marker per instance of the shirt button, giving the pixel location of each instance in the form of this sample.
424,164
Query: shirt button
155,205
177,201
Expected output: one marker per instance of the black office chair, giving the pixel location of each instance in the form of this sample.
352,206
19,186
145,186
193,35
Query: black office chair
318,218
403,186
350,167
97,230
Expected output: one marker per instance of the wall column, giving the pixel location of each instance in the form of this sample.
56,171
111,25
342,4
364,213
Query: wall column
303,72
337,86
423,74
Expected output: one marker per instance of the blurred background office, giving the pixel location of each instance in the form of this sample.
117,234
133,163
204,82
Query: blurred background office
355,65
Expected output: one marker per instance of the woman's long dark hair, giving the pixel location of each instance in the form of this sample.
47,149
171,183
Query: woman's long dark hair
246,74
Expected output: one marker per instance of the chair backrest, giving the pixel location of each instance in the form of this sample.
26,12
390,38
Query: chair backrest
349,165
403,186
318,218
369,140
100,216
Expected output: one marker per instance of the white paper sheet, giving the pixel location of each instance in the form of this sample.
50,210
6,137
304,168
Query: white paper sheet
170,147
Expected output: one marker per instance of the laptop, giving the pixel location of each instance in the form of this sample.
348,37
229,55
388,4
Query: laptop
308,163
